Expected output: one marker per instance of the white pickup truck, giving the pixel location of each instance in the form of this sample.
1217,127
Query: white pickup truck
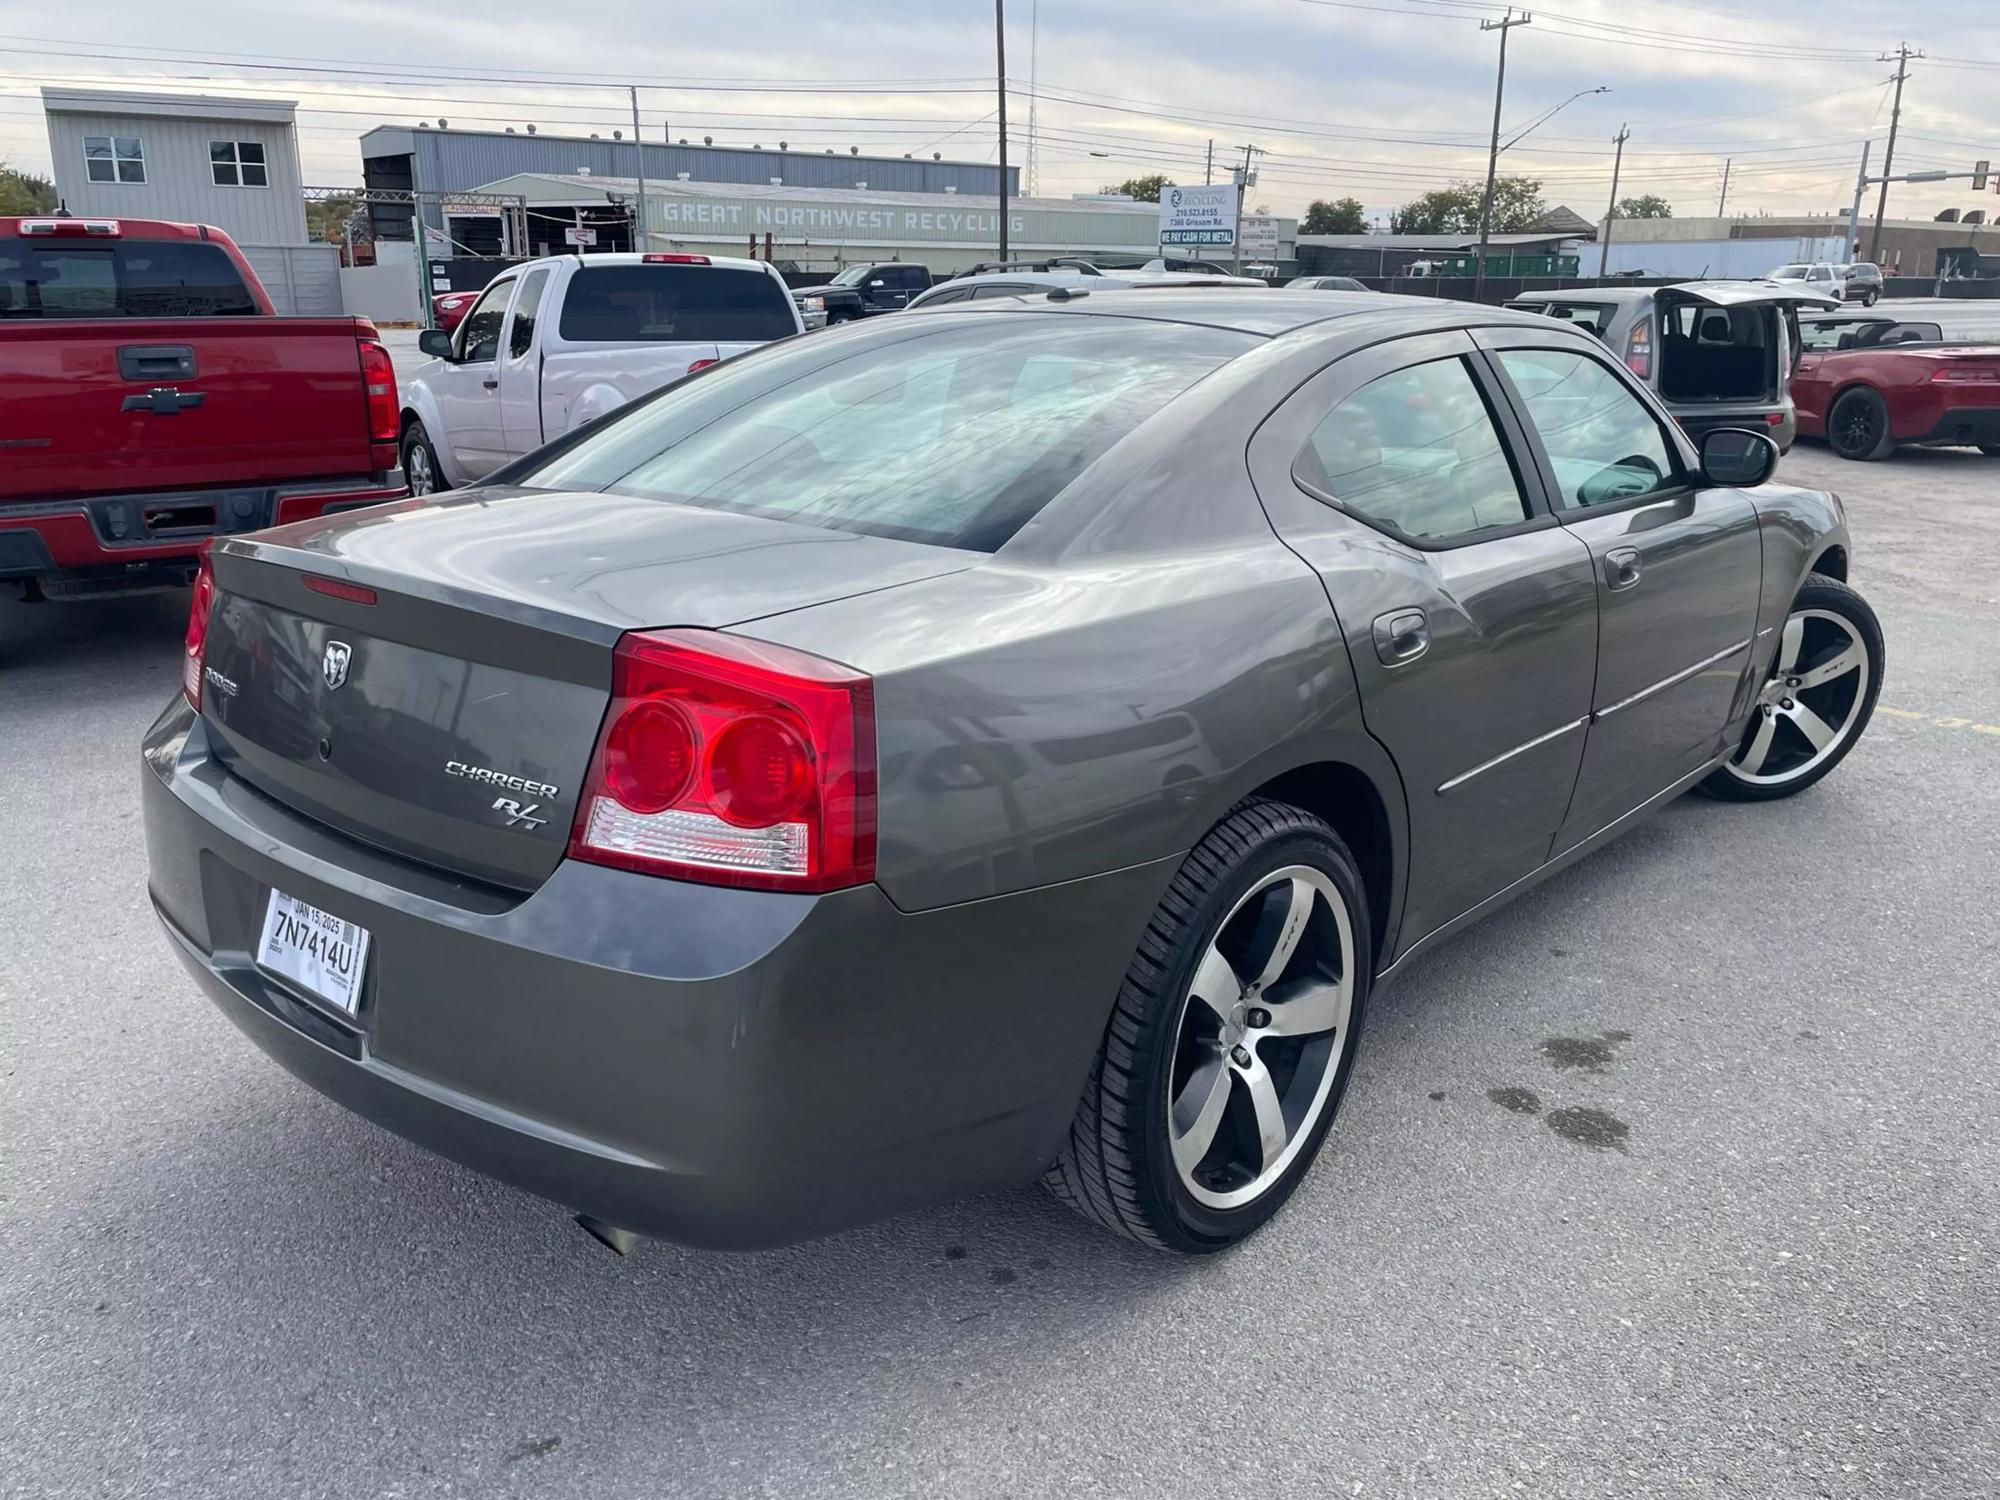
553,343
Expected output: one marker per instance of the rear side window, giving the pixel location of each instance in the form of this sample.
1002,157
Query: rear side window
135,279
668,304
1416,451
955,436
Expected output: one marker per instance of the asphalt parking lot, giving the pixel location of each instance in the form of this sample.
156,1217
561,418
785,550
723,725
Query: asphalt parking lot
1680,1176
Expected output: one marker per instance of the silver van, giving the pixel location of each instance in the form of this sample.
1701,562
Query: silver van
1719,353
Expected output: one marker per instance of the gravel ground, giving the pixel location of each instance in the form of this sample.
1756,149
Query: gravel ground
1768,1266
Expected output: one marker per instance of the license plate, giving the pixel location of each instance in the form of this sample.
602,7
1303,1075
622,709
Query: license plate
322,954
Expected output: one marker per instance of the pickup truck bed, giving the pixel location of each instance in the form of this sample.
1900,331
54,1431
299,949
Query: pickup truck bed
128,442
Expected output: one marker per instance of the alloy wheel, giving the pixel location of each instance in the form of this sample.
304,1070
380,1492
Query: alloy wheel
1812,702
417,469
1856,431
1263,1028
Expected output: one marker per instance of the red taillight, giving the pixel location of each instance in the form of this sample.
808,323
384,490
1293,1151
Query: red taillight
733,762
1639,349
665,258
197,634
702,364
1775,418
1967,375
378,378
335,588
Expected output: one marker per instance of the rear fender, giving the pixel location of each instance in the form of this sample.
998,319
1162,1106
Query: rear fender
597,399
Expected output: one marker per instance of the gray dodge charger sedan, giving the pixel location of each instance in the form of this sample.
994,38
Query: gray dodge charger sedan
950,751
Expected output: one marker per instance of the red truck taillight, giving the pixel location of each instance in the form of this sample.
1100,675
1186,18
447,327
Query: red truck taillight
197,634
385,413
732,762
1639,349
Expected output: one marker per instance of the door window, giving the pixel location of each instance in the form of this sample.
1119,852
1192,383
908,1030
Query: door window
521,333
1603,444
479,334
1417,452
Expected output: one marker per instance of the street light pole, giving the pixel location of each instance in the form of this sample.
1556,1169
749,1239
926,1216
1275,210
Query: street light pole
1504,25
1000,55
639,150
1854,213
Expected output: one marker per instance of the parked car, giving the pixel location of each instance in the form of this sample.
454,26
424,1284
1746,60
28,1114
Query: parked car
448,309
150,402
1817,276
863,291
1719,353
1861,282
1870,383
1324,284
943,752
1024,283
555,343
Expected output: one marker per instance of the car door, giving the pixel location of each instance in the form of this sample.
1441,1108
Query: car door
1679,566
520,364
468,389
1470,614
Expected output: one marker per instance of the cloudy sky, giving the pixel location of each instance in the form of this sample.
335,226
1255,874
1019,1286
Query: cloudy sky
1377,99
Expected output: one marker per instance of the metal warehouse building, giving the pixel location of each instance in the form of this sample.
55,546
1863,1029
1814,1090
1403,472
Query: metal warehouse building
821,228
433,163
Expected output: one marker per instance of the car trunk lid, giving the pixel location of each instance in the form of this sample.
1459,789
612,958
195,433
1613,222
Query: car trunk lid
430,678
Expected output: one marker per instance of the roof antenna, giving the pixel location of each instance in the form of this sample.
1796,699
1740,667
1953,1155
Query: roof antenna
62,209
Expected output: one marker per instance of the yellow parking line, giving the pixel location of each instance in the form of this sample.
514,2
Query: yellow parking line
1938,721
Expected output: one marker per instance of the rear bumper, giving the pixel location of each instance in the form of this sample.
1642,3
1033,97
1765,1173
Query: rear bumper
1964,425
721,1067
138,531
1783,431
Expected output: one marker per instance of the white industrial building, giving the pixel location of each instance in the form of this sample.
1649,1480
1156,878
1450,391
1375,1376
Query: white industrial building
200,159
822,228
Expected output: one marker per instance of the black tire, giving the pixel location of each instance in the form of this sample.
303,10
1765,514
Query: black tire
1868,299
1115,1167
420,458
1857,426
1830,596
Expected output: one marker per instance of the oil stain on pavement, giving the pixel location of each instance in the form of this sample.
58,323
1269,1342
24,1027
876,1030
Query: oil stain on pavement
1521,1101
1589,1127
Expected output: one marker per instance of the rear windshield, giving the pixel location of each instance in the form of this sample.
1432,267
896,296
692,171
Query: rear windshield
665,304
955,433
129,279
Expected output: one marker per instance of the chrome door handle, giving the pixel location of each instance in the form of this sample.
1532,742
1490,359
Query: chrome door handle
1621,567
1401,635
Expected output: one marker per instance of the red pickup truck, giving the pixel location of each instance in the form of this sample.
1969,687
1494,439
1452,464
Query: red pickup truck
151,401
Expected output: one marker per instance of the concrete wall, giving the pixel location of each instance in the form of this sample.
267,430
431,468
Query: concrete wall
388,294
303,280
179,184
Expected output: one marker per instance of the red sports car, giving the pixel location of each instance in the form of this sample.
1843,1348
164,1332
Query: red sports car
450,307
1867,382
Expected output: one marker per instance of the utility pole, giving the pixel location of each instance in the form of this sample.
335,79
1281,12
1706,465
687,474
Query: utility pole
1242,187
1727,162
1000,55
639,150
1611,214
1208,167
1505,24
1854,213
1901,57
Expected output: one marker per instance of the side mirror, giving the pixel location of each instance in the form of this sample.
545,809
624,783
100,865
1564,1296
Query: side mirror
878,282
435,342
1737,458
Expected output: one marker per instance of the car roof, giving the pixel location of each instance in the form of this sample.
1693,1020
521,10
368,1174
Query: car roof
1257,312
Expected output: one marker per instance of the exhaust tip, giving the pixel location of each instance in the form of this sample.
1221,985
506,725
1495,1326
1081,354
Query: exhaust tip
620,1242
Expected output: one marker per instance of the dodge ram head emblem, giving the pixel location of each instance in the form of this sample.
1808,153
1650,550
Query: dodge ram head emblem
334,663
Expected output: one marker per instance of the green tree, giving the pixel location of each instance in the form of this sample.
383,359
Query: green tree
1649,207
1342,216
325,217
25,192
1145,189
1517,208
